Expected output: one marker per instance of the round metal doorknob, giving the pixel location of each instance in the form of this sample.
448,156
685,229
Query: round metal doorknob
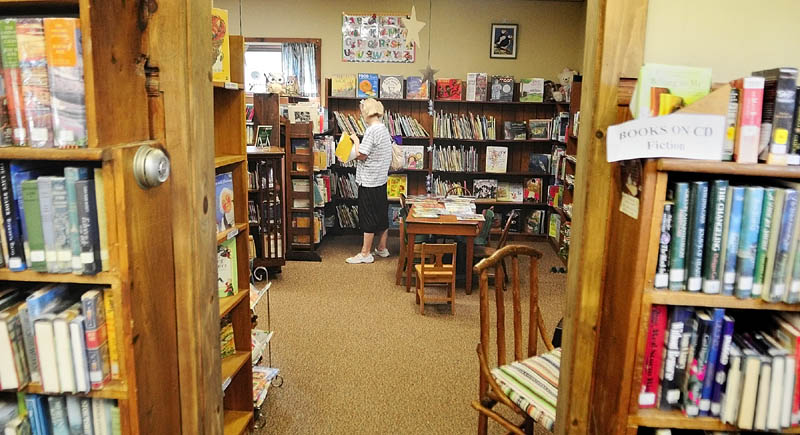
150,167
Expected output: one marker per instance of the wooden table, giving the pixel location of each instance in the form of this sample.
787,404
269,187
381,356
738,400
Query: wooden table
445,226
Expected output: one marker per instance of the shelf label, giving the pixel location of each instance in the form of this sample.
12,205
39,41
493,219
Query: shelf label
233,233
231,85
683,136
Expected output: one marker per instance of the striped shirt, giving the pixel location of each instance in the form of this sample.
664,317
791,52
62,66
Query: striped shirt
377,146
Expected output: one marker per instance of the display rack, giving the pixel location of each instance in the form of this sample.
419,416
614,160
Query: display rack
299,146
230,156
266,196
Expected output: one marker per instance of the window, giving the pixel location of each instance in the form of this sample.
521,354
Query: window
261,58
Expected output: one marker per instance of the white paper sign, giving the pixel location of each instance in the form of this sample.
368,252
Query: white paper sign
684,136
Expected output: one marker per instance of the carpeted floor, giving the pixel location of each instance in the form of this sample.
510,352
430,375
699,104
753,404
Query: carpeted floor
356,356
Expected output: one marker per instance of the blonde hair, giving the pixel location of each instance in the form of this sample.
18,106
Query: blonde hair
371,107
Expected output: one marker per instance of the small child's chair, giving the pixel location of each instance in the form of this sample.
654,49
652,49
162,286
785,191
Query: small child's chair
433,270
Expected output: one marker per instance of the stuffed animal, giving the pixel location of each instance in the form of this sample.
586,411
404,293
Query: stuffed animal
565,79
292,86
274,83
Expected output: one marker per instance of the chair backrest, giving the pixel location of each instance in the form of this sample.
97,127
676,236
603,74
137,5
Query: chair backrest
435,253
462,190
504,234
536,324
403,202
483,236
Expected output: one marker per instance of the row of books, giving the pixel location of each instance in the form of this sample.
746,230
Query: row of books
261,176
709,362
43,103
720,238
322,190
54,336
344,185
324,152
454,126
272,211
348,216
456,159
530,190
558,127
532,222
36,414
403,125
478,87
53,223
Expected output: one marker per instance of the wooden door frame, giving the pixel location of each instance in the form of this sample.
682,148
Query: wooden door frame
317,53
613,48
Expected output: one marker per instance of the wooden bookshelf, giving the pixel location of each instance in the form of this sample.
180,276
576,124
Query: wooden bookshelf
682,298
231,156
299,168
676,420
562,241
270,229
113,390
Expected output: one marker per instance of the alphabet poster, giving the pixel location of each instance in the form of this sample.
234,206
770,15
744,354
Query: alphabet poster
375,38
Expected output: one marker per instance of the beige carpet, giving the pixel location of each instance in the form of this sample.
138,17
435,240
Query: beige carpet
356,356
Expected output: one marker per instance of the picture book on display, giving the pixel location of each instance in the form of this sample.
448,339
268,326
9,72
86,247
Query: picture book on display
555,225
221,69
512,192
367,85
496,159
397,184
343,85
534,224
413,156
539,128
449,89
227,271
531,90
688,84
416,88
484,189
392,87
477,86
539,163
533,190
513,130
224,189
502,88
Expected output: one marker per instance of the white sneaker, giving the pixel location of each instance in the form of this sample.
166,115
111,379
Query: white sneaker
382,254
360,258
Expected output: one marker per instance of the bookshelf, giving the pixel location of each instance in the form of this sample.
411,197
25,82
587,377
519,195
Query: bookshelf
230,155
518,150
299,146
267,195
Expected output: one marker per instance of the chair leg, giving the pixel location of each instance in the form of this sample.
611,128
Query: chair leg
453,296
421,294
483,424
401,267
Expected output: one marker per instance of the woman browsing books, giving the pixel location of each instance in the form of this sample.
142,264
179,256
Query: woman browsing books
373,155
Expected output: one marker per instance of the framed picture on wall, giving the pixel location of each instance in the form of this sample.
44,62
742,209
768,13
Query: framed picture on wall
504,41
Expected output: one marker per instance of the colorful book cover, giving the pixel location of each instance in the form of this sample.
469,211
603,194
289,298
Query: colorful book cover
220,43
227,275
397,184
661,280
698,359
65,67
720,378
777,113
751,97
535,222
96,338
698,208
496,159
531,90
764,231
555,225
21,171
58,415
748,240
712,271
416,88
484,189
717,320
794,158
732,230
532,190
12,81
413,156
673,371
730,125
343,85
689,83
476,86
654,347
35,83
539,128
503,191
502,88
679,237
225,209
392,87
449,89
367,85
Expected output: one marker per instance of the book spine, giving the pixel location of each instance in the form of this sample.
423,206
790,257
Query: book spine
61,226
33,218
751,96
29,340
763,241
712,271
96,338
16,338
102,222
652,356
732,230
730,125
58,415
698,207
78,339
661,279
678,238
65,68
111,324
783,112
35,85
748,241
87,228
672,376
72,175
717,323
777,290
697,367
74,417
794,158
12,81
16,256
46,210
720,378
86,416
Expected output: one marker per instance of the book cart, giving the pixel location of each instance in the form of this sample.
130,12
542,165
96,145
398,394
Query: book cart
230,156
518,150
627,308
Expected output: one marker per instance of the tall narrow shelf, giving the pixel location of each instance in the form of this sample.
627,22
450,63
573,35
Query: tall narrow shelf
299,146
231,156
267,199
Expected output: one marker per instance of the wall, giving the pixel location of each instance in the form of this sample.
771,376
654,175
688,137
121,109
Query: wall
550,33
733,37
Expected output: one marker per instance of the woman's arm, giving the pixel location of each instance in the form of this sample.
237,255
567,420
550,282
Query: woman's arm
363,149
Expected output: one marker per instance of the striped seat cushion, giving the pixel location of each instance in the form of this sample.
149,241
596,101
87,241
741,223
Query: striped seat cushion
532,384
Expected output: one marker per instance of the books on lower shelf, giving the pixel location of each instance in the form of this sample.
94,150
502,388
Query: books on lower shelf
455,158
719,238
347,215
473,127
396,185
226,335
440,187
709,362
55,336
54,224
38,414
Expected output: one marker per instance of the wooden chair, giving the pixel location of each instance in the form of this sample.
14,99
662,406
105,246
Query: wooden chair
529,384
436,272
419,239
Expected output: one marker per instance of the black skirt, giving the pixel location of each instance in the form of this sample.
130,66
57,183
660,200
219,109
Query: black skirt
373,209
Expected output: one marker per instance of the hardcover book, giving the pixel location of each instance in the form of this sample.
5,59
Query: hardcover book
484,189
221,68
513,130
751,97
449,89
503,191
698,208
225,209
65,68
730,124
343,85
652,356
777,289
712,270
397,184
555,226
72,175
96,338
679,237
676,348
531,90
496,159
764,233
11,224
413,156
35,84
502,88
88,231
662,267
539,128
698,359
715,343
367,85
535,222
476,86
748,240
227,275
392,87
777,115
720,379
689,83
416,88
533,190
12,81
731,230
539,163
